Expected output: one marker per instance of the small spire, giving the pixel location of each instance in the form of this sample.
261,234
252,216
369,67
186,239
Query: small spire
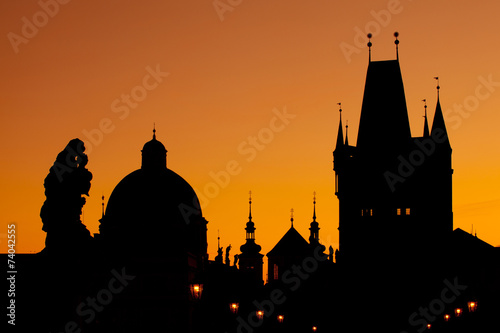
396,34
154,131
250,206
218,239
426,123
346,134
437,87
314,206
340,135
369,44
291,216
103,205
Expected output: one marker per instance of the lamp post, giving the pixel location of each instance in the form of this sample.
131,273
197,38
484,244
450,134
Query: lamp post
458,312
446,317
233,307
472,306
281,318
196,291
260,314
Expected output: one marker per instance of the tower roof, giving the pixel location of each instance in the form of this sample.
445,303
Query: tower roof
291,244
384,117
439,125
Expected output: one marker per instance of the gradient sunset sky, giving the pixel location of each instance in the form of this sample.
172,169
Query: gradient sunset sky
224,71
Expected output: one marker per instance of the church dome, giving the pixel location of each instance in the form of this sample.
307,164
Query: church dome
155,206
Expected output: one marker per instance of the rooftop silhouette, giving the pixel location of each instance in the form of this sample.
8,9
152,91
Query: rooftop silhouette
148,267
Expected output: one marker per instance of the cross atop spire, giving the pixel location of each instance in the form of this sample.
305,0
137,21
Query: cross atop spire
291,216
154,131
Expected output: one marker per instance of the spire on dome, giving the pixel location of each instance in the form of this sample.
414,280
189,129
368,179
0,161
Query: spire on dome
250,228
426,123
250,206
314,206
154,154
291,217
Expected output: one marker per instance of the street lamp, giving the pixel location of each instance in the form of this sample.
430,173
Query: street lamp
234,307
446,317
428,326
472,306
458,312
196,290
281,318
260,314
315,328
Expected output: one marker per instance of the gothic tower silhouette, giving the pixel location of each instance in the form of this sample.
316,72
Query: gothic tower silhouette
394,190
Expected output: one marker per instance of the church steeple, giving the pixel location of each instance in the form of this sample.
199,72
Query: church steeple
314,229
250,257
426,123
438,124
250,246
250,229
340,134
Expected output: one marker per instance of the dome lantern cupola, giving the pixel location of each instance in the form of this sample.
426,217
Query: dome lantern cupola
154,154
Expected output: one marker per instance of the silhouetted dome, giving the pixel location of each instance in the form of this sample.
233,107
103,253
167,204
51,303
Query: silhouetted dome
154,205
154,146
250,248
159,196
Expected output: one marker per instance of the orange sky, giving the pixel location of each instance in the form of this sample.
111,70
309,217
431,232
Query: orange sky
227,71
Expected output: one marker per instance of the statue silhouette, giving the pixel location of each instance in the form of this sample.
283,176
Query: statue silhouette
227,254
67,181
218,258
